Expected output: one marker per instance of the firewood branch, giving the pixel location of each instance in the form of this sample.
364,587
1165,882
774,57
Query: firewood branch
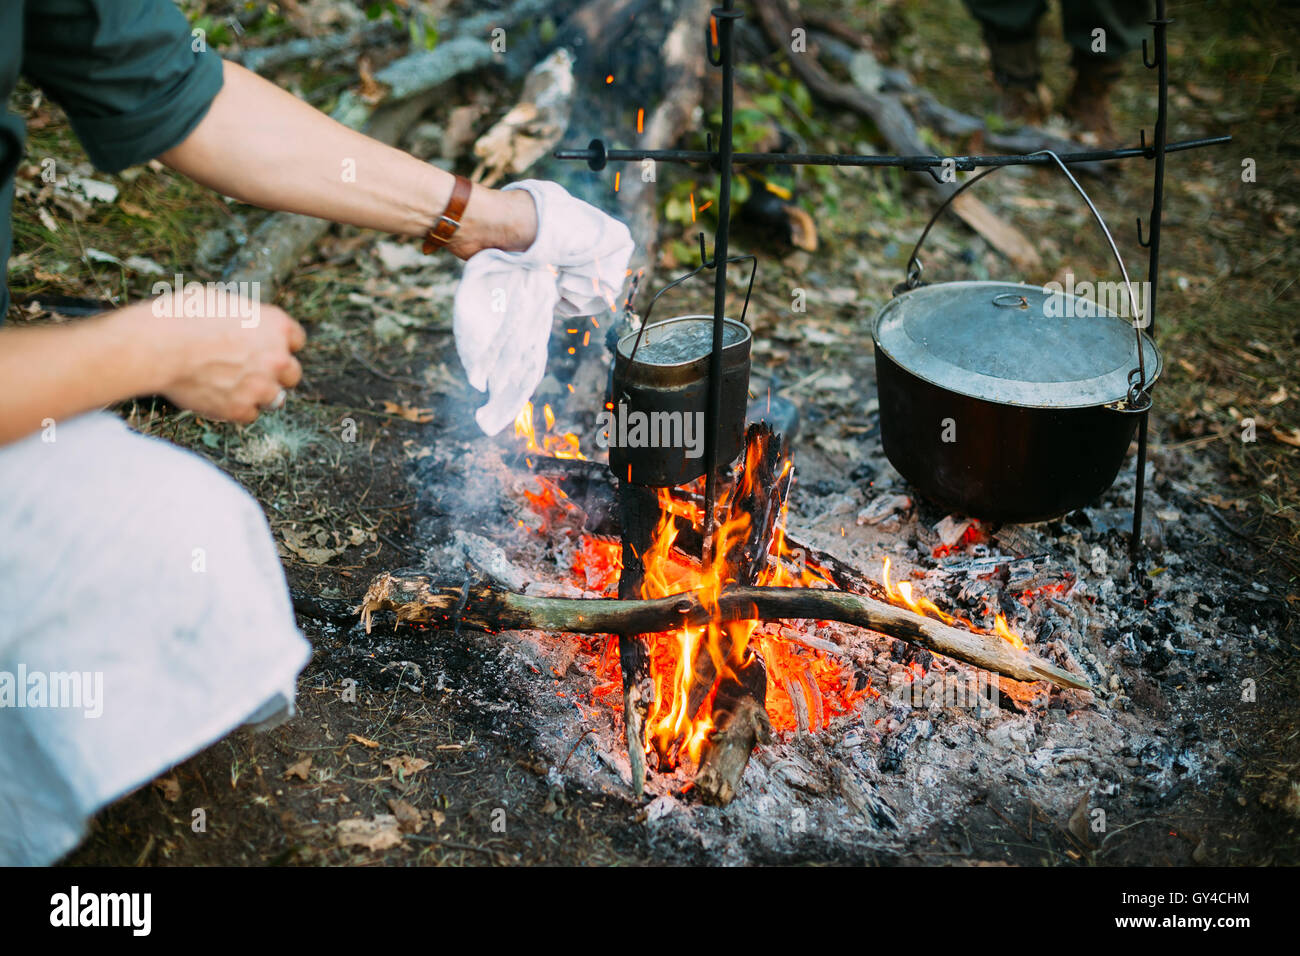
416,597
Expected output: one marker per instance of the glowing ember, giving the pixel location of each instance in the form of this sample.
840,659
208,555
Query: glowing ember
901,594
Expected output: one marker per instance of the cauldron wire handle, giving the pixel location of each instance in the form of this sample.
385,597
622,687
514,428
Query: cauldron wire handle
645,321
1138,398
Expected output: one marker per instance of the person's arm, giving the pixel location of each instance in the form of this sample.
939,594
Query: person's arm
215,365
264,146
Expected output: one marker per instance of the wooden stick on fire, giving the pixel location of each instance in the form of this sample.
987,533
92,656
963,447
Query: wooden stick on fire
739,712
416,597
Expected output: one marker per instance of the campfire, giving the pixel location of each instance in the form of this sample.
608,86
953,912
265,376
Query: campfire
717,646
721,620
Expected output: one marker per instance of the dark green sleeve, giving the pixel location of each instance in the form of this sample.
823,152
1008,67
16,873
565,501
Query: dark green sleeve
125,71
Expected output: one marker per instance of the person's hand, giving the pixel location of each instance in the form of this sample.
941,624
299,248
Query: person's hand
230,365
495,219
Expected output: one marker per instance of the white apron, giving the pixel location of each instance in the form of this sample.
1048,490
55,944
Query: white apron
143,616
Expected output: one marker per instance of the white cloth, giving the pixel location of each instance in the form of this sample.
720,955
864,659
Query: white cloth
126,557
507,300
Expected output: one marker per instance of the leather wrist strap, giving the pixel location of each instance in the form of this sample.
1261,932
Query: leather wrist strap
446,225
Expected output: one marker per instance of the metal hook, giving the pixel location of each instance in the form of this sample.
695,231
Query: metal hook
1142,137
1144,243
712,42
705,262
933,175
1145,62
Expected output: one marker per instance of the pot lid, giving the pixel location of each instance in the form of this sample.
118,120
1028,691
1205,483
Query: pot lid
1013,343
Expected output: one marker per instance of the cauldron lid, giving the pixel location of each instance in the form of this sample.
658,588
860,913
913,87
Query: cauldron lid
1013,343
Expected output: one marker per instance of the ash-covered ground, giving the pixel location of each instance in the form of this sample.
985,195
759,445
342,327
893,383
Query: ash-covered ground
1180,656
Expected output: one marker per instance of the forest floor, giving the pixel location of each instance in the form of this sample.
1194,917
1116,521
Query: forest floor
380,359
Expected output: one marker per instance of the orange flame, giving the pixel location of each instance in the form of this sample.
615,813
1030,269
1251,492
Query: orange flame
563,445
901,594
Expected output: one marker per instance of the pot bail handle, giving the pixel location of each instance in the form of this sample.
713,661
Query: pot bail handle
1139,397
705,264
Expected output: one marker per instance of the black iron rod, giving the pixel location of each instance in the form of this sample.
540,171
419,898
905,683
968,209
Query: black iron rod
600,156
724,18
1161,25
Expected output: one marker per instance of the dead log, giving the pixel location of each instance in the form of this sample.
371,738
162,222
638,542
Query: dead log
842,44
898,129
683,60
418,598
740,716
656,56
267,59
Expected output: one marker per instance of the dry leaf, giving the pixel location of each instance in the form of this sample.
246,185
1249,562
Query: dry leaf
363,741
381,833
405,766
421,416
1233,504
409,818
311,545
1288,436
438,817
169,787
299,769
372,91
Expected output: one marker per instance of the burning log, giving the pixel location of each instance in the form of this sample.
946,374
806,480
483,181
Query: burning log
740,715
754,506
416,597
640,515
739,708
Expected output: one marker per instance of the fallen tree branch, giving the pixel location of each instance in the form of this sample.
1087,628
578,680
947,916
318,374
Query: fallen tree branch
416,597
266,59
844,46
898,129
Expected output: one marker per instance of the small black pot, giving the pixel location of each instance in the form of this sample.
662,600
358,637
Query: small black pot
663,381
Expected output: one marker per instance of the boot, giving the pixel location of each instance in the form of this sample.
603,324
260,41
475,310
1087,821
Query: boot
1088,105
1023,98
